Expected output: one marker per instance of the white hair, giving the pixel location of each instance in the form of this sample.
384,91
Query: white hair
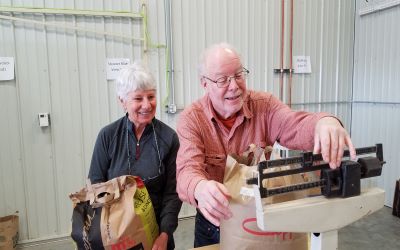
202,66
134,77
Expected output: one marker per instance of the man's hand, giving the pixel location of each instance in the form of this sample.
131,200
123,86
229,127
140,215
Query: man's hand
161,242
330,140
212,200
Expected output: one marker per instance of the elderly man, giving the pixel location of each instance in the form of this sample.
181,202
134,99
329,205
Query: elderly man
227,120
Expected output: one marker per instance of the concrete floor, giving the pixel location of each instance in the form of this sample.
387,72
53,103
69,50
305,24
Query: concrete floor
380,230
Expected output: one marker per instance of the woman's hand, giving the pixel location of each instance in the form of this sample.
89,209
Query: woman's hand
161,242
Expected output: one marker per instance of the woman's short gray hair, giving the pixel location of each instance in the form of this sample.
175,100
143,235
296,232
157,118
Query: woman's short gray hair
134,77
201,68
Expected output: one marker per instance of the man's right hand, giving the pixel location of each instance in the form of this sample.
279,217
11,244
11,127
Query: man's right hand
212,201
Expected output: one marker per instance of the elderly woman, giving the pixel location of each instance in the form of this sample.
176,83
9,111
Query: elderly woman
139,144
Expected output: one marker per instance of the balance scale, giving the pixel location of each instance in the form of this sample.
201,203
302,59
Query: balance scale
342,201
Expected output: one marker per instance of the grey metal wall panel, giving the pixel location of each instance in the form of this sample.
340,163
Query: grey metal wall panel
376,88
12,178
324,31
377,57
66,114
378,123
34,96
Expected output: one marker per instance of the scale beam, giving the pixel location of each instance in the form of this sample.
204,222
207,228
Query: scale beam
340,182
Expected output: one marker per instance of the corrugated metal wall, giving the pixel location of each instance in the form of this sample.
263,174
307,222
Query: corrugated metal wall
376,108
62,71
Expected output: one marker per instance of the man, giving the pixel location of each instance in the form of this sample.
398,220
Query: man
227,120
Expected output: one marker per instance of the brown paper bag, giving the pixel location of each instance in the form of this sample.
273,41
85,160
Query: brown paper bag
9,232
114,215
241,231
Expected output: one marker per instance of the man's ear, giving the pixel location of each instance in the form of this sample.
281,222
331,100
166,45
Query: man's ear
203,82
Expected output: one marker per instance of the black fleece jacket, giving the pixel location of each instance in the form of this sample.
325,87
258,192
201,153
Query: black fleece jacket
110,160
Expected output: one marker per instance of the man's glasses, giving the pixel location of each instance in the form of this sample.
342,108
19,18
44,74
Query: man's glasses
224,81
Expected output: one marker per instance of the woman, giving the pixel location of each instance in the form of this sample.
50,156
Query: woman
139,144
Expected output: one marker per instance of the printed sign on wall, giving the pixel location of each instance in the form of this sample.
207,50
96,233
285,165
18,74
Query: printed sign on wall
114,65
6,68
301,64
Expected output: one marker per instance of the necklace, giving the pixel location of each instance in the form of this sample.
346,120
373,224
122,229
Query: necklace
129,154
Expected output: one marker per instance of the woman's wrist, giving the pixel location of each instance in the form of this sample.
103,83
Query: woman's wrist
164,235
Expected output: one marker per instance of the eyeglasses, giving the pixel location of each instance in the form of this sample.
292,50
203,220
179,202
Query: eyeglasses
224,81
160,166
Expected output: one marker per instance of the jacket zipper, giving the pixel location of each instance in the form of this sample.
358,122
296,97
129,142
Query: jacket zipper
137,155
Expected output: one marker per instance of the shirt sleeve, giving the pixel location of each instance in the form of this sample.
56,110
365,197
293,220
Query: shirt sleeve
292,129
100,161
171,205
191,168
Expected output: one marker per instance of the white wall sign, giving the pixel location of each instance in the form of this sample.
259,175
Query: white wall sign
301,64
6,68
114,65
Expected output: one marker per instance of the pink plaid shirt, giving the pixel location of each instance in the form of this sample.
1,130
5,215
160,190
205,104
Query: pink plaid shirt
205,141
